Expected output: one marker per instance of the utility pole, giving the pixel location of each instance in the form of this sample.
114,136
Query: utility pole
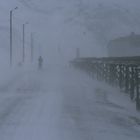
11,13
11,35
23,43
23,48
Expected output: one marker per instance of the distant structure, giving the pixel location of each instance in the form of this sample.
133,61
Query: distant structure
125,46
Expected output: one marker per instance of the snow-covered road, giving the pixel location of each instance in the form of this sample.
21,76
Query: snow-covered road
60,103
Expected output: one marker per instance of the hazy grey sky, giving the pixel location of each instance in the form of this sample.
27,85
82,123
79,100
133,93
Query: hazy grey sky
68,24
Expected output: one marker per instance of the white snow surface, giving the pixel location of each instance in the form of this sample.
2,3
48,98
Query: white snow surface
61,103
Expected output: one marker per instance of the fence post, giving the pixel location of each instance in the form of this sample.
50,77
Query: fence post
137,89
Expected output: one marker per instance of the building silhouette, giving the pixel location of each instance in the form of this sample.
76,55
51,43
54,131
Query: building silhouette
124,46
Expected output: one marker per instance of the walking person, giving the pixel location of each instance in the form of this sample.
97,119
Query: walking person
40,62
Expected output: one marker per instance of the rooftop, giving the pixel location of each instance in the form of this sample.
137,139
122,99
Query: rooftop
133,40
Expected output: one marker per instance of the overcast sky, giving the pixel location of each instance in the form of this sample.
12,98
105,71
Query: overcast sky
61,26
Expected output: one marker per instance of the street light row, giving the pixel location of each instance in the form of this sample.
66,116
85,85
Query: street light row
11,39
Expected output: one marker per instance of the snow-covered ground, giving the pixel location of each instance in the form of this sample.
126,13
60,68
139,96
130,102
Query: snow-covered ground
61,103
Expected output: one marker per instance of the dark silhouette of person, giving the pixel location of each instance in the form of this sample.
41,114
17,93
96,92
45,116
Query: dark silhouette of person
40,62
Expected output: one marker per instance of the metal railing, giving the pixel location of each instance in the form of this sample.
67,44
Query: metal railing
121,72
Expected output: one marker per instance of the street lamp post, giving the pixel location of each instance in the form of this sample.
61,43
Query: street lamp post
11,37
23,51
